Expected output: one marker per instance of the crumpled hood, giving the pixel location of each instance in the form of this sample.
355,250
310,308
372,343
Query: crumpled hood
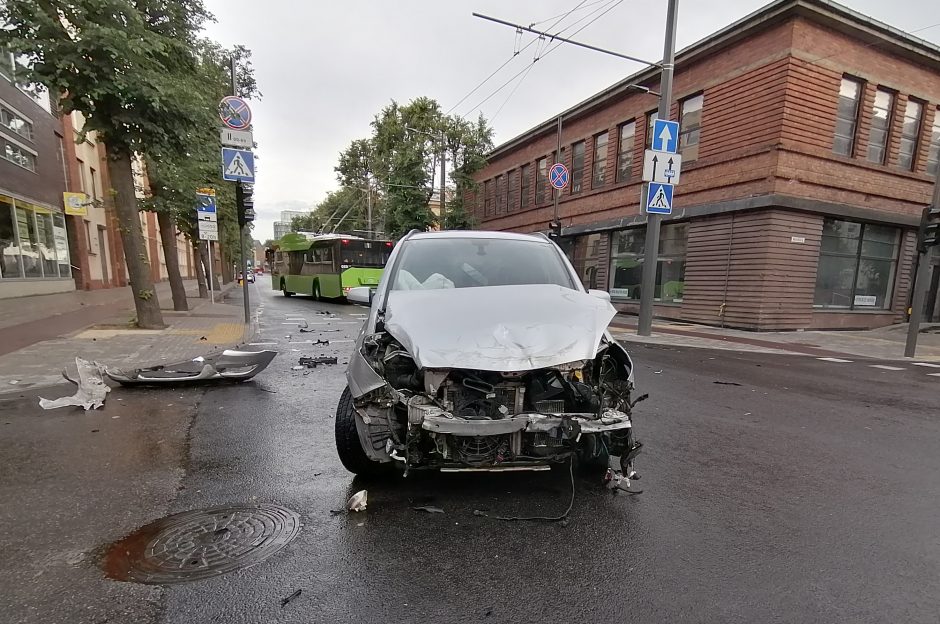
497,328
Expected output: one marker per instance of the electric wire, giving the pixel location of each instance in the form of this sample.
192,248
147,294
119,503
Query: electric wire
560,518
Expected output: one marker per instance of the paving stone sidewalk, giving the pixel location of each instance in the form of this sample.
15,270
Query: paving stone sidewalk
206,328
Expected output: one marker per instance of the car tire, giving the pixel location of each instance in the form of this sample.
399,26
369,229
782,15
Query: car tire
348,447
316,291
284,290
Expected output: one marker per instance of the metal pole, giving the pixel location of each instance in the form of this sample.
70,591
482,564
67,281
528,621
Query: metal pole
651,254
443,181
920,287
241,228
555,219
369,205
211,275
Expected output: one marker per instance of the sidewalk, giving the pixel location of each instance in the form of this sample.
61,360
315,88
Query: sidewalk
886,343
97,328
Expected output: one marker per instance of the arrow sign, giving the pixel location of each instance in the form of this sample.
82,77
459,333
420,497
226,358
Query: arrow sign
665,136
661,167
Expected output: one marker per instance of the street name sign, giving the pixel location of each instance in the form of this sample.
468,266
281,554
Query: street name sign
238,165
659,198
558,176
661,167
665,136
236,138
234,113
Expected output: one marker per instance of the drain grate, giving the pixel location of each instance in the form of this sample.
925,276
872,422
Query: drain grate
200,544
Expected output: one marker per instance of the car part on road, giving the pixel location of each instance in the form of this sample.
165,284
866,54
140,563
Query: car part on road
431,509
229,365
92,390
288,599
358,501
202,543
313,362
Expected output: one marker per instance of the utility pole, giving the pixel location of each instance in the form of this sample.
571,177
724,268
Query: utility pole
443,180
241,227
651,249
555,227
931,213
369,205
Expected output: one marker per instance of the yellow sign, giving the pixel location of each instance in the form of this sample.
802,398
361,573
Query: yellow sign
206,191
75,204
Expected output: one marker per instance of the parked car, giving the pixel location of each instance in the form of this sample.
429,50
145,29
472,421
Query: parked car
483,351
251,277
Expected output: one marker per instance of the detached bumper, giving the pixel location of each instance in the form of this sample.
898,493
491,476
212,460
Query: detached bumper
436,420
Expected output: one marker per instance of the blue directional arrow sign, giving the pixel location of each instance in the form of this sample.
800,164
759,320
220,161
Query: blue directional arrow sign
665,136
238,165
659,198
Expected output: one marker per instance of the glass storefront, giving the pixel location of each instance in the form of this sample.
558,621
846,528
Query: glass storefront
857,264
626,263
584,252
33,241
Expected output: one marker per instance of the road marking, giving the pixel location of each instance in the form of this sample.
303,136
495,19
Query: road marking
883,367
831,359
260,344
927,364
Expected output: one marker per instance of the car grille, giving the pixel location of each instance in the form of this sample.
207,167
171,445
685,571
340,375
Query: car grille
475,405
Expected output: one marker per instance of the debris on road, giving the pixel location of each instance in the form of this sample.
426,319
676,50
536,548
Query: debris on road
429,509
230,365
284,601
727,383
307,331
298,367
92,390
313,362
358,501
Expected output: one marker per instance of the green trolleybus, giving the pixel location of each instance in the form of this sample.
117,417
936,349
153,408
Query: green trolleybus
326,265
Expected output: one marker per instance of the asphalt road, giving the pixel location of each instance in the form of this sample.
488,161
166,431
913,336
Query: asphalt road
805,492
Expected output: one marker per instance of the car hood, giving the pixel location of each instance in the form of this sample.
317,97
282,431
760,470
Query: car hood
497,328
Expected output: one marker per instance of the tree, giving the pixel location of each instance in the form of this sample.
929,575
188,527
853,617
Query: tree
126,65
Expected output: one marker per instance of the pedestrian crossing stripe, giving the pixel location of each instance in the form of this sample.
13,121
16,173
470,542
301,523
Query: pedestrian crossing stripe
884,367
833,359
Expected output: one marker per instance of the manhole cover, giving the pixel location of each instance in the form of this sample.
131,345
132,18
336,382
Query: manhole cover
201,544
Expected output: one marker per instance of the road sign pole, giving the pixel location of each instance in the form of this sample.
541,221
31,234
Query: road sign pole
556,222
651,253
920,286
211,275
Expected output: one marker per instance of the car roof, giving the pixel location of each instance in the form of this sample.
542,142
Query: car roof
535,238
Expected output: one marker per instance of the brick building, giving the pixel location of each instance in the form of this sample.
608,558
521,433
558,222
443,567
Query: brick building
810,137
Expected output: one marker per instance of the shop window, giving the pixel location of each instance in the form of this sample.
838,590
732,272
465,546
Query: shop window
585,255
18,155
626,263
880,126
10,265
599,173
857,263
933,154
29,241
16,122
541,180
847,116
61,244
45,237
625,151
525,187
690,126
577,166
910,132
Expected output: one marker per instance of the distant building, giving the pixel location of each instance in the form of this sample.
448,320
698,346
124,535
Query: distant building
283,226
810,139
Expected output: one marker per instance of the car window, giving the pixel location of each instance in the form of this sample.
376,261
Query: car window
432,264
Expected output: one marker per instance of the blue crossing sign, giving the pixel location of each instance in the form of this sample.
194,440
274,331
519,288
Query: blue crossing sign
665,136
558,176
659,198
238,165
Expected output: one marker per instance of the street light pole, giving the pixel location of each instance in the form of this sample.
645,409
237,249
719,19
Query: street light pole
443,181
920,285
651,253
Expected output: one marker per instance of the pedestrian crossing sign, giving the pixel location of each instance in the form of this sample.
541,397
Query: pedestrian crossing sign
659,198
238,165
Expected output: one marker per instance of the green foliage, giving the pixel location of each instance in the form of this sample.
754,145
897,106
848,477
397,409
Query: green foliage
401,158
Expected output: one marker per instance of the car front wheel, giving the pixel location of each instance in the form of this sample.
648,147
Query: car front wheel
348,447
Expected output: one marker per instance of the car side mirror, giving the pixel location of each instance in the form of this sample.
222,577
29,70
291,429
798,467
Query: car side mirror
361,295
600,294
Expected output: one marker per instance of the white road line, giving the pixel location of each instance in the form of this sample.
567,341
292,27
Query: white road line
926,364
831,359
883,367
260,344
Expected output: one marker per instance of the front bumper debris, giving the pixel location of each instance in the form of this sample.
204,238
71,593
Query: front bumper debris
435,420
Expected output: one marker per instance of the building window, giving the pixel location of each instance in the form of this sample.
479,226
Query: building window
585,256
910,131
487,198
525,186
500,194
15,122
933,155
880,126
599,175
541,180
510,178
577,166
690,126
650,120
856,265
94,182
81,175
625,151
18,155
847,117
626,263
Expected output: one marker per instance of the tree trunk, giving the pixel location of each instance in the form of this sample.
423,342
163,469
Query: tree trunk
226,268
135,250
172,259
204,256
200,270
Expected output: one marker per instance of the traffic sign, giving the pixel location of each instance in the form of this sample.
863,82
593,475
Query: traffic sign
661,167
659,198
665,136
205,202
208,226
209,236
238,165
235,113
207,216
236,138
558,176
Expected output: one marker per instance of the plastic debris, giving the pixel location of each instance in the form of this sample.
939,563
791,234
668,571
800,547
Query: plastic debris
92,390
284,601
313,362
727,383
297,367
429,509
358,501
13,382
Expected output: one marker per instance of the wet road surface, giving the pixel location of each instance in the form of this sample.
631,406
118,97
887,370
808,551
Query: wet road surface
806,493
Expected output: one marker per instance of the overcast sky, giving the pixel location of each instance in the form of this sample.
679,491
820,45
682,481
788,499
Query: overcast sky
326,68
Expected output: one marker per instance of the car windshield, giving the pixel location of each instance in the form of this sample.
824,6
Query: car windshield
469,262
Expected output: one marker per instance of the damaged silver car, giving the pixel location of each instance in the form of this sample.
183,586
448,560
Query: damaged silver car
483,352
